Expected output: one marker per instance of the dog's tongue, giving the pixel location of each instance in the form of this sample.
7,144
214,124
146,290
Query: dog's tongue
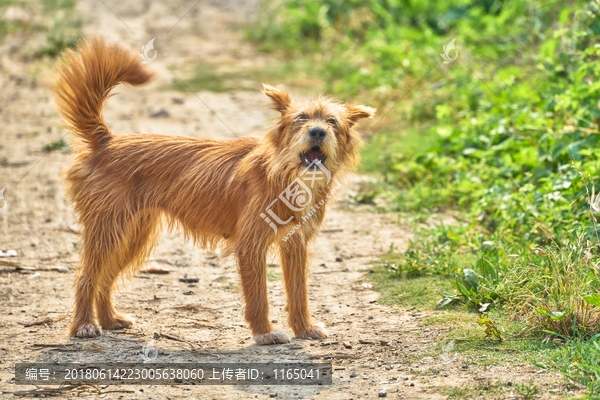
313,155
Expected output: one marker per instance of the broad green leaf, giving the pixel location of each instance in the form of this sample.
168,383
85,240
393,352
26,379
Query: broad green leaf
444,302
453,236
593,300
553,315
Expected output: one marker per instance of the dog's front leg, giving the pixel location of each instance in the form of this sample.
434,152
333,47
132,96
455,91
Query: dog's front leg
295,260
253,271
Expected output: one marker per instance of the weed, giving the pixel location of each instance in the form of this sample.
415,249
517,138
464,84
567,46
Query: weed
456,392
273,276
528,390
231,287
56,145
577,360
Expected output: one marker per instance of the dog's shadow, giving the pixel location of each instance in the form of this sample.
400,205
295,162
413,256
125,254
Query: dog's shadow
111,349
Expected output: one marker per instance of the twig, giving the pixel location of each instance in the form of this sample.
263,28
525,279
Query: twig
175,338
331,272
18,267
43,345
57,391
206,353
45,321
42,322
337,355
69,229
334,230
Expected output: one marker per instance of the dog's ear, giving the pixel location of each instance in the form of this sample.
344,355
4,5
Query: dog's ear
356,113
281,100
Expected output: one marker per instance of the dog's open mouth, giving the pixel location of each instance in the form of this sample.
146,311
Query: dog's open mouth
312,155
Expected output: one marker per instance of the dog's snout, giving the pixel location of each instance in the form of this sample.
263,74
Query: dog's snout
317,133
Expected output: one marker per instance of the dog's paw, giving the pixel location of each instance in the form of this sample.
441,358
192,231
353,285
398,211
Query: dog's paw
118,322
275,337
317,331
87,330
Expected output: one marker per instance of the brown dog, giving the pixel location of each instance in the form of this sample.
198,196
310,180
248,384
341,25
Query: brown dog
245,195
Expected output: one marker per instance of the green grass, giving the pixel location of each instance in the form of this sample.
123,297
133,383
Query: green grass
273,276
223,78
393,141
479,390
60,27
59,4
231,287
577,360
484,390
421,292
468,339
528,390
456,392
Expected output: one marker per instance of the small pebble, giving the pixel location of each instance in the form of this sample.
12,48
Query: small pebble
162,113
339,259
382,393
185,279
353,375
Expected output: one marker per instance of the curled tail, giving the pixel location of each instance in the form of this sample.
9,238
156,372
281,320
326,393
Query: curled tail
84,81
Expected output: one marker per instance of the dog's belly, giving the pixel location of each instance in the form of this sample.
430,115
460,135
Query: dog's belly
207,220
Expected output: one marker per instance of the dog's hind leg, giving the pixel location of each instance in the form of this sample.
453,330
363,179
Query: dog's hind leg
294,265
253,271
139,241
95,252
105,246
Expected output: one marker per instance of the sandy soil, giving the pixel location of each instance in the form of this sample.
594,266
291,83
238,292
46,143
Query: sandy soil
387,345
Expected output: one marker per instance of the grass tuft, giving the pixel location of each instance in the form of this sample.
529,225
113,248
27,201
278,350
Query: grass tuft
60,144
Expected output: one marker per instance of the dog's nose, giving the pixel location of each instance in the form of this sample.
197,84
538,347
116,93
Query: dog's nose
317,133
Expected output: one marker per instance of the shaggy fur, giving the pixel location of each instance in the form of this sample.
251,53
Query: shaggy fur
125,188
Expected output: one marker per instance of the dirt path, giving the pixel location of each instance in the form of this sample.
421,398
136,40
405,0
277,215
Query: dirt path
40,225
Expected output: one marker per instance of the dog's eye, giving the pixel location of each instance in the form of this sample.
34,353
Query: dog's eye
332,121
302,118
